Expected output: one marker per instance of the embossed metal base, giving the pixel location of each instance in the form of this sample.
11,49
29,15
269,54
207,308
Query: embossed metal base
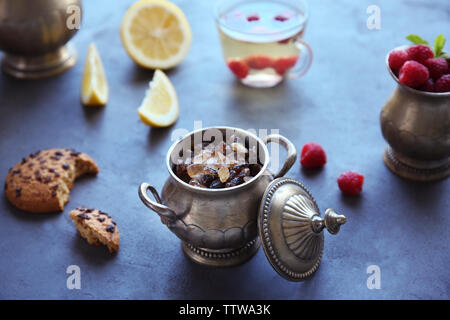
221,258
35,67
415,170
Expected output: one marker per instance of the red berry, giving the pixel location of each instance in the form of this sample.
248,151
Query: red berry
239,68
427,86
253,17
259,62
397,58
413,74
281,65
313,156
443,84
419,53
437,67
281,18
350,182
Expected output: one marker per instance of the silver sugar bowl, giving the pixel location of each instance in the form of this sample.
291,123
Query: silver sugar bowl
225,227
34,36
416,124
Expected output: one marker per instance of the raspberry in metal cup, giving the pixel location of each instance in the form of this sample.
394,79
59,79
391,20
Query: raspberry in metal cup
262,40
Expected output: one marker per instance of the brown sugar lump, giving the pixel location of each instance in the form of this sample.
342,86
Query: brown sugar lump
96,227
217,165
42,181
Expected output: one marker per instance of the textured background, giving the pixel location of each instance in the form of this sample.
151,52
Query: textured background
399,225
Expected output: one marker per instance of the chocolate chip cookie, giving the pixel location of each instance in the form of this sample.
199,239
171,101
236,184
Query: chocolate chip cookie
41,182
96,227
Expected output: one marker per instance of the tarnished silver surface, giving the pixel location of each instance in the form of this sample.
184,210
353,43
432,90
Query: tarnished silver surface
216,223
221,258
290,228
416,125
34,36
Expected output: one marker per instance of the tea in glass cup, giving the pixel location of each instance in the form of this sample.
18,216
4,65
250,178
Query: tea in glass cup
262,39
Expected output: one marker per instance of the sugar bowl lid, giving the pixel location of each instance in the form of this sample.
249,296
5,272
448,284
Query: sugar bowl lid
290,228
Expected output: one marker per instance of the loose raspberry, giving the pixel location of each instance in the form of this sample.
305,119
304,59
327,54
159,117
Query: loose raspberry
427,86
313,156
281,18
253,17
419,53
443,84
259,62
437,67
239,68
350,182
281,65
413,74
397,58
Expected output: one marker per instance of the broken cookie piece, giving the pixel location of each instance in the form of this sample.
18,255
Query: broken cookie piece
42,181
96,227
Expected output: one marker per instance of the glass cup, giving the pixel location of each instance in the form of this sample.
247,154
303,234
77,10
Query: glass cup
262,39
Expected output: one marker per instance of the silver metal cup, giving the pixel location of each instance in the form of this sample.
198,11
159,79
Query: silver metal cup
416,124
218,227
34,36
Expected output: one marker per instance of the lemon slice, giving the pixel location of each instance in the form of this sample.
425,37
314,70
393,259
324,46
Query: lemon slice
94,87
155,34
160,105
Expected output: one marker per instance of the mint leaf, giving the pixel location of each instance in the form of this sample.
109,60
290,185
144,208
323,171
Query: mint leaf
414,38
439,43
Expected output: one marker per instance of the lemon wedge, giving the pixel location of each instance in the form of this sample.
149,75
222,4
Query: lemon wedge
160,105
94,87
155,34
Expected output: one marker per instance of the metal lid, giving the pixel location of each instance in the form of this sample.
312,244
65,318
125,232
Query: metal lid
290,228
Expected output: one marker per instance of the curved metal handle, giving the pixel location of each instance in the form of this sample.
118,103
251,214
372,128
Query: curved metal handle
305,59
167,215
291,152
332,221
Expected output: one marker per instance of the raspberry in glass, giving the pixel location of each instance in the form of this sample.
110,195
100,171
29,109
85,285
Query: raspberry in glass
239,68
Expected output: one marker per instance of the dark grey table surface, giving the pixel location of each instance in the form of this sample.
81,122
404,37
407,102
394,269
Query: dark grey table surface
400,226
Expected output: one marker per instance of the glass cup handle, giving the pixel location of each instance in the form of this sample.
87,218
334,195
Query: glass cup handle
305,59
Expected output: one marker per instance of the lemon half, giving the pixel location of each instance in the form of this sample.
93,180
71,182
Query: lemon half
160,105
155,34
